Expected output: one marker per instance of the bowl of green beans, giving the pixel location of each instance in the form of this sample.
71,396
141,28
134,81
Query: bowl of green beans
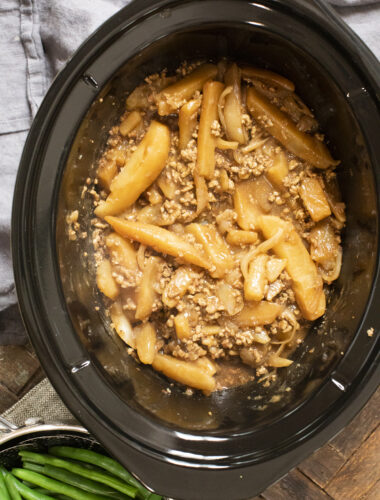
46,463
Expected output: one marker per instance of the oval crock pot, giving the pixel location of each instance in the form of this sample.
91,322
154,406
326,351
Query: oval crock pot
234,443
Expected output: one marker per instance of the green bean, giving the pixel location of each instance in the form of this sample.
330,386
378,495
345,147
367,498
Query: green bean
101,477
4,494
154,496
81,482
46,492
29,493
86,465
57,486
33,467
13,491
29,485
102,461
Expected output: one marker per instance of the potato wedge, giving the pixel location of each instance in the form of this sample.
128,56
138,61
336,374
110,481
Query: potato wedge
142,96
279,170
173,97
182,326
254,283
121,252
187,121
201,192
281,127
167,185
306,282
269,76
130,123
207,365
214,247
235,129
238,237
324,246
314,199
185,372
177,286
259,313
206,141
160,239
105,280
106,173
146,294
146,343
140,171
274,268
251,201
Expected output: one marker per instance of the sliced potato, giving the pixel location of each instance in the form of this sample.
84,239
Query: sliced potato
167,185
106,173
201,192
259,313
279,170
160,239
105,281
306,282
214,247
206,140
187,121
207,365
142,96
173,97
178,285
324,245
140,171
269,76
185,372
130,123
235,129
121,251
146,294
146,343
314,199
182,326
274,268
238,237
256,280
285,131
251,201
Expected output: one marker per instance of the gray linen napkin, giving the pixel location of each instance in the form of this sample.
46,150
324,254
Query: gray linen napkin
41,402
36,39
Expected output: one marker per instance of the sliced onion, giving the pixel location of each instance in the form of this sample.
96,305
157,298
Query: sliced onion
221,101
334,274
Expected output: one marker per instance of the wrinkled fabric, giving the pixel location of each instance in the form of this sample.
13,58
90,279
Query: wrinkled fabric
36,39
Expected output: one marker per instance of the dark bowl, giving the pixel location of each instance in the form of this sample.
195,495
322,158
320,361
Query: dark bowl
232,444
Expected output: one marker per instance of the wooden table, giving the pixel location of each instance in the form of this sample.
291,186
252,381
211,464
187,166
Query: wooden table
347,468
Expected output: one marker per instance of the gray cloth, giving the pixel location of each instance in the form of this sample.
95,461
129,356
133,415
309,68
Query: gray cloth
36,39
41,402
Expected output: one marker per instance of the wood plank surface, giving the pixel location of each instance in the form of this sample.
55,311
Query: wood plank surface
351,437
360,473
322,465
295,485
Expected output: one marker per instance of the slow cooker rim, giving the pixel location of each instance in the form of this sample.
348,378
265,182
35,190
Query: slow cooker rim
17,210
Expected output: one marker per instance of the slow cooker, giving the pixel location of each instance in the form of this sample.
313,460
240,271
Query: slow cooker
236,442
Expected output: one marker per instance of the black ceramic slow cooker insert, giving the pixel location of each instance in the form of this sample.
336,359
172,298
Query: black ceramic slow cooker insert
234,443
